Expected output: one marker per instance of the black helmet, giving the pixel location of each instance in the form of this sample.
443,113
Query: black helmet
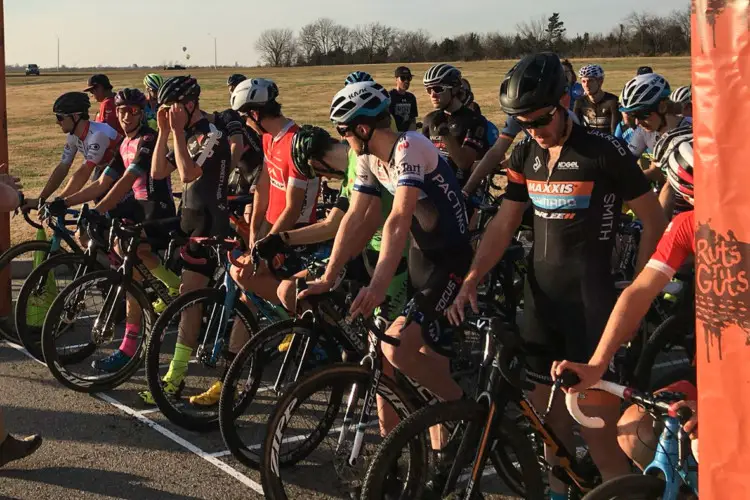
72,102
535,82
179,89
130,97
235,80
644,70
309,143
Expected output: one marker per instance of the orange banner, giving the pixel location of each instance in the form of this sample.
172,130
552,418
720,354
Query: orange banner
721,103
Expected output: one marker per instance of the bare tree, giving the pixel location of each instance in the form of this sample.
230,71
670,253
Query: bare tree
374,38
534,31
325,30
276,46
681,18
412,46
308,42
341,38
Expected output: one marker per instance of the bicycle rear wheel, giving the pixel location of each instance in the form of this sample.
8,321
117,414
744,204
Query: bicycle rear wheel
630,487
311,430
453,415
204,309
668,353
39,291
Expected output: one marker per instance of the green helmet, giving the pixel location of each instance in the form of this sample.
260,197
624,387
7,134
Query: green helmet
309,143
153,81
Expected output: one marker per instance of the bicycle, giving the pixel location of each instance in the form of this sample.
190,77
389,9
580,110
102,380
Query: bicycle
86,314
673,473
482,431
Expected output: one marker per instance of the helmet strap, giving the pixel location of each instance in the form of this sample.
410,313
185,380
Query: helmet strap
190,114
365,140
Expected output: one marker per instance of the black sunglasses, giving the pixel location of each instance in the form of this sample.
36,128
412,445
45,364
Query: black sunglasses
641,114
343,130
404,78
540,122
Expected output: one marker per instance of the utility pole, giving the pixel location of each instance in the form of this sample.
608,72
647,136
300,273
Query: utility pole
216,65
58,53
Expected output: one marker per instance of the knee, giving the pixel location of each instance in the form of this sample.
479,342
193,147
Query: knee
635,435
286,293
399,355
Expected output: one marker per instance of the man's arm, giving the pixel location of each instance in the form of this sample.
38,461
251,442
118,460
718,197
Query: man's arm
55,180
260,204
117,193
236,144
648,210
315,233
9,198
295,198
78,180
615,118
666,200
186,167
463,156
489,163
395,234
90,192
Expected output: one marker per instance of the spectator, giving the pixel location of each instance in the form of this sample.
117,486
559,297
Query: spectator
101,89
403,103
575,89
12,448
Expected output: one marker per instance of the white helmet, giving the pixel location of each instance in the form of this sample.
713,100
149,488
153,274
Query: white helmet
680,169
442,74
591,71
667,141
644,92
362,99
253,93
682,95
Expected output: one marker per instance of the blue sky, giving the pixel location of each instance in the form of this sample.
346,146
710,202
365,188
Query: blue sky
97,32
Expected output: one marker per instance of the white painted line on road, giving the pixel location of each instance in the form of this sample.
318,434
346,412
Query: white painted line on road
185,444
139,415
220,454
146,412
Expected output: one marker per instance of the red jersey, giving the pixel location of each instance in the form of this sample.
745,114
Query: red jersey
108,115
676,245
281,172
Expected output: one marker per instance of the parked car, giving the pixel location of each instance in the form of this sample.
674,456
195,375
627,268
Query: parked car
32,69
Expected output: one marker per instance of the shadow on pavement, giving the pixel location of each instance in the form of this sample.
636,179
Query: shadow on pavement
93,481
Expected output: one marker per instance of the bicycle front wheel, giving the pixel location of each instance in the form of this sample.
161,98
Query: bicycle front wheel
630,487
456,416
668,354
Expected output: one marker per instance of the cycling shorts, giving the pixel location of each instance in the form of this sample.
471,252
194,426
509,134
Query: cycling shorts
555,330
154,210
436,277
202,223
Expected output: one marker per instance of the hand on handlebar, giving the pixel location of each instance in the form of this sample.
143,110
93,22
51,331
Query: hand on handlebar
316,287
589,374
58,207
468,293
367,300
270,246
691,426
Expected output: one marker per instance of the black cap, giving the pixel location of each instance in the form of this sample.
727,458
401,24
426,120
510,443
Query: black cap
644,70
95,80
402,71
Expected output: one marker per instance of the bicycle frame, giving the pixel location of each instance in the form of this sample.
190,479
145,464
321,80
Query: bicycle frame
671,447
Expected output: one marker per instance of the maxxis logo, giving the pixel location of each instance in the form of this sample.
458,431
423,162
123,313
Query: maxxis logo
722,285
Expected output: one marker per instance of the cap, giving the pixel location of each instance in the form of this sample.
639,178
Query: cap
95,80
402,70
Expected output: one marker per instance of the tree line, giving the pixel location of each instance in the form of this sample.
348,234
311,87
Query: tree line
324,42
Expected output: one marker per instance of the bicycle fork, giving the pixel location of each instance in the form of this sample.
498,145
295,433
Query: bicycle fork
364,418
218,322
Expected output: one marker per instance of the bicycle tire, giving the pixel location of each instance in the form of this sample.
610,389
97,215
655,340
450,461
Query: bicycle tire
153,351
8,330
340,377
672,331
629,487
416,426
57,365
231,407
31,336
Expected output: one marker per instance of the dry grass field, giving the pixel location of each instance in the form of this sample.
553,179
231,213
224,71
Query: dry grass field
35,141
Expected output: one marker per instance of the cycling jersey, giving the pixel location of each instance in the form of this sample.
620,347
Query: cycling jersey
134,157
440,221
98,144
468,127
149,116
676,245
281,171
107,114
603,115
204,200
403,109
643,141
252,149
570,287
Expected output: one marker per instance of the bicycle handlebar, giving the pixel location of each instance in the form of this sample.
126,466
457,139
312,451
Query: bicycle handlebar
29,220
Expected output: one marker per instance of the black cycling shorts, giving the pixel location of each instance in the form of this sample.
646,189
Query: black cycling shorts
555,329
196,223
159,234
436,277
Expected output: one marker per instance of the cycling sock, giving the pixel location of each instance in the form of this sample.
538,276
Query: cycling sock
130,342
557,496
166,276
229,357
178,365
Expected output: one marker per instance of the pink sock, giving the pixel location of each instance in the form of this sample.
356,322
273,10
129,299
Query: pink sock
130,342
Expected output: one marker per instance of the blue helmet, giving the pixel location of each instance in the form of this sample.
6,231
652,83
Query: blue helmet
358,76
644,92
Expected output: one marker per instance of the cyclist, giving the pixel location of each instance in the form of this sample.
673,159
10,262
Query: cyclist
151,83
428,205
576,180
201,157
315,154
644,70
101,89
671,201
682,97
233,81
597,109
637,437
403,103
97,142
468,97
575,88
458,132
131,169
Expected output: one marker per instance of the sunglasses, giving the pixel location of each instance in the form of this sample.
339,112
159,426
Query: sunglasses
60,117
343,130
641,114
132,110
437,89
404,78
540,122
